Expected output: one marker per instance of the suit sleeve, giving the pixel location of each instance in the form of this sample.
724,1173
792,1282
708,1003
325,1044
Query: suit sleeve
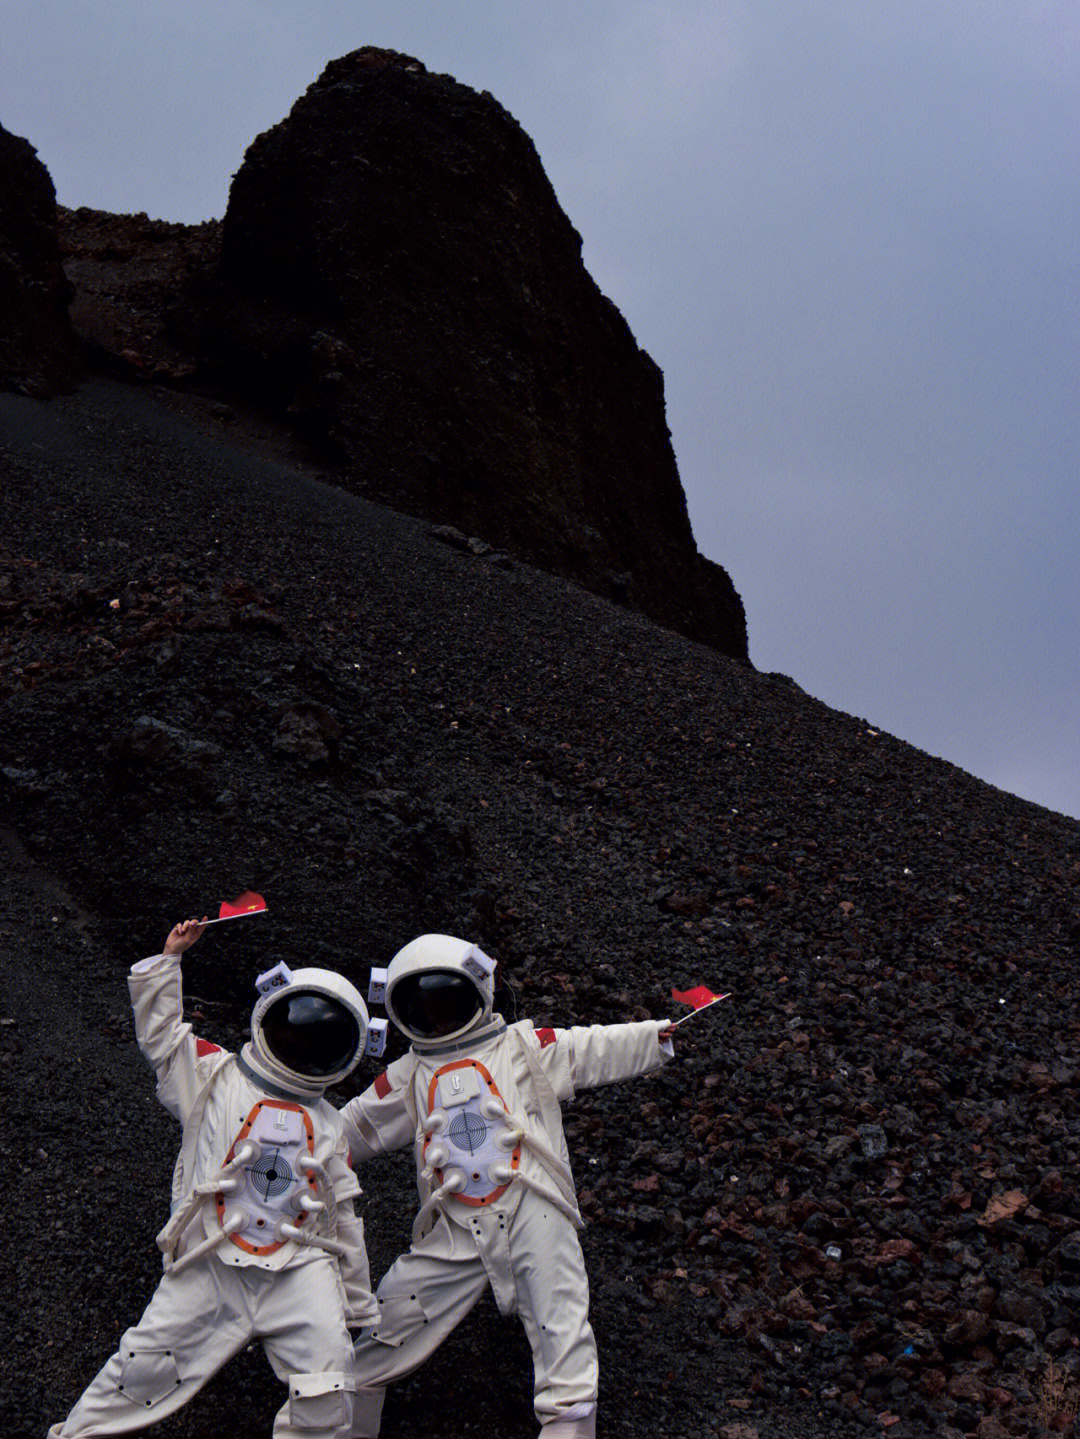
379,1120
180,1061
361,1306
588,1056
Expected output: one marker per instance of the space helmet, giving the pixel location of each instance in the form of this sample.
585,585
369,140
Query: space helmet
439,988
308,1028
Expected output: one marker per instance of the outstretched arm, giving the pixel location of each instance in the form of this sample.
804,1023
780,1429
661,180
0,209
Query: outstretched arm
587,1056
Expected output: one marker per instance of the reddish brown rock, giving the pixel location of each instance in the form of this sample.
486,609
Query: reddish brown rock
127,271
969,1327
967,1386
894,1249
991,1428
1003,1207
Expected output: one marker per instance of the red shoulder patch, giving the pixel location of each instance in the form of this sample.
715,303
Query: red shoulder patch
382,1085
203,1046
546,1037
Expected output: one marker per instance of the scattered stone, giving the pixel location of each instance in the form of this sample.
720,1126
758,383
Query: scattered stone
1003,1207
451,536
872,1140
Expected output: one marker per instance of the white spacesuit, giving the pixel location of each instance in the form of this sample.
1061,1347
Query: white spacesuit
263,1241
480,1101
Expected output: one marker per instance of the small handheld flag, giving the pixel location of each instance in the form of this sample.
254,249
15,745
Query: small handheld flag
244,904
700,997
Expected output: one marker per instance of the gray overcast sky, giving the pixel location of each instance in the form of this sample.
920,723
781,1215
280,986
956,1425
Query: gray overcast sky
848,233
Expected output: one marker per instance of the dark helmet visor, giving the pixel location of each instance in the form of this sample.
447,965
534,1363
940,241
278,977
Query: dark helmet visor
311,1034
439,1002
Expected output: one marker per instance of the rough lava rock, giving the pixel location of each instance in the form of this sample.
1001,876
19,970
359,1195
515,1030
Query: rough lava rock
397,277
850,1206
127,271
39,354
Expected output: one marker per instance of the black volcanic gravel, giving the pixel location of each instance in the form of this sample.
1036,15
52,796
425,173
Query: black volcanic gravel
850,1207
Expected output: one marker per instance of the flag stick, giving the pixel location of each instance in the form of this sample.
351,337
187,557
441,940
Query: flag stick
701,1010
245,914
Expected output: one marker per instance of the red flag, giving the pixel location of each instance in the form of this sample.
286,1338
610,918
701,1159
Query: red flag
247,903
699,996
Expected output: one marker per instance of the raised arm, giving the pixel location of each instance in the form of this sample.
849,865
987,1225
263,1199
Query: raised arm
163,1034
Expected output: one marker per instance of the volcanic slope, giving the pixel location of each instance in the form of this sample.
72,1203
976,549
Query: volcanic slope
851,1202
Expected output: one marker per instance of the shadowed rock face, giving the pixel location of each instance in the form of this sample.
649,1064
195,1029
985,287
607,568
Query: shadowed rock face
38,350
396,274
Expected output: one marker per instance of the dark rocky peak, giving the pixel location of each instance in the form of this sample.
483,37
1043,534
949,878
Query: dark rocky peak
39,354
397,276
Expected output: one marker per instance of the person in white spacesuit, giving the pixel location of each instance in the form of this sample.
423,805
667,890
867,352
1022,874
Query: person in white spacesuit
480,1101
263,1240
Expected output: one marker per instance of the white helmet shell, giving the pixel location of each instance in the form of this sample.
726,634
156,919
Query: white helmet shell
345,1001
433,955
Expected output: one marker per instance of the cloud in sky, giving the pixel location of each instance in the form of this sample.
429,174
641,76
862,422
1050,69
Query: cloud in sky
846,232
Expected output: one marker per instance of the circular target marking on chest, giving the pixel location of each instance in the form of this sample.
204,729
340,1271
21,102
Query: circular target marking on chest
271,1175
468,1132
